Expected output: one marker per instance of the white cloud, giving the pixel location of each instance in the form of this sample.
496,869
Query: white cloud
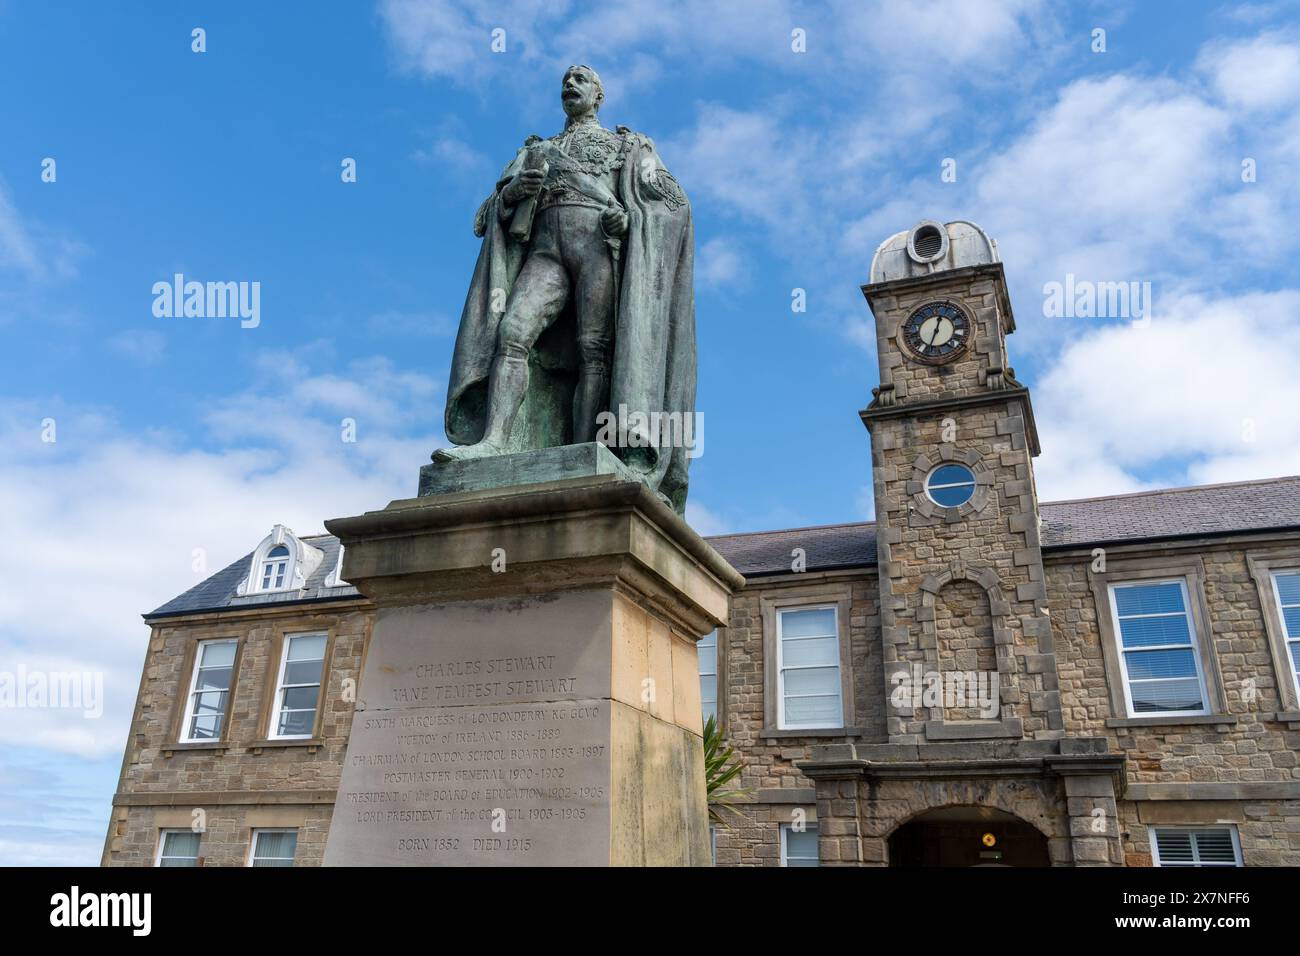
17,248
143,346
453,40
1257,74
704,520
31,251
455,153
747,161
917,57
1205,392
719,263
108,522
1126,177
1111,183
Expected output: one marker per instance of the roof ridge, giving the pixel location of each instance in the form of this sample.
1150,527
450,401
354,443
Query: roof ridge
1182,488
811,527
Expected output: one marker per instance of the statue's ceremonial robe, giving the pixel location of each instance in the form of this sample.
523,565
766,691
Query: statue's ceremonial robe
653,372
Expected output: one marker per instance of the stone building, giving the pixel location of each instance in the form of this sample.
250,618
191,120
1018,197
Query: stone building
975,678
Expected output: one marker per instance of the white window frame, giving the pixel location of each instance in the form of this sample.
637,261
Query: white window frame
1196,862
257,834
301,564
973,483
188,715
162,842
277,703
786,829
781,722
714,674
1193,637
271,579
1287,638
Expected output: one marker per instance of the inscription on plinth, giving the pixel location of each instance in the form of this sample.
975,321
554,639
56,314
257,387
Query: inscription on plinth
484,738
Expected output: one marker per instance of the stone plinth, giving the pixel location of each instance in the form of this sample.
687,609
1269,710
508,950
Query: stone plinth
522,468
530,695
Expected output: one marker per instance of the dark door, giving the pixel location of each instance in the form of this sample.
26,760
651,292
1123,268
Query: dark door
968,843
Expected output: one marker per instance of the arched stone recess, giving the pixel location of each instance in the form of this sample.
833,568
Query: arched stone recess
965,655
1005,723
948,453
1038,802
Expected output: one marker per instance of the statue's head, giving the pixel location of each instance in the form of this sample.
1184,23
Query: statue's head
581,91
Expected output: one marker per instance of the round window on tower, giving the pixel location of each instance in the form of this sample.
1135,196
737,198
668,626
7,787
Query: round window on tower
950,486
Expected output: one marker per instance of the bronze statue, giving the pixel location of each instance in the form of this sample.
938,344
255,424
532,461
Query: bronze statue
582,302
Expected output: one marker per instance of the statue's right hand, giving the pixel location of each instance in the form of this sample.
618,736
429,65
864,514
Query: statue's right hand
527,182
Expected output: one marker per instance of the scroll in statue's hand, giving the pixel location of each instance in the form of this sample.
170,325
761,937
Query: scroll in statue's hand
527,182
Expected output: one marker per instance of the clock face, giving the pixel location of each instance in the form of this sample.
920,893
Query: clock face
937,332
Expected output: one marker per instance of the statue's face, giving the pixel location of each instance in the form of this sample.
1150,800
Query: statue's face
579,93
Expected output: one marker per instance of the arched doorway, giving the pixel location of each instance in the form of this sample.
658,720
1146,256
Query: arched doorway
967,836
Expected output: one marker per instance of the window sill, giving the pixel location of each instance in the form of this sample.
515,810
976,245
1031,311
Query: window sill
1289,717
1222,722
772,733
311,743
203,746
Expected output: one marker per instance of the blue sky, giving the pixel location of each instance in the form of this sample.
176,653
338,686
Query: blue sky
181,441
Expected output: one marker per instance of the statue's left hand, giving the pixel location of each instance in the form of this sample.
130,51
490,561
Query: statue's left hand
614,221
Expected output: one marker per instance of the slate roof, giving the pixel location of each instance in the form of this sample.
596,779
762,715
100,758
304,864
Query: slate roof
218,592
1147,515
1206,510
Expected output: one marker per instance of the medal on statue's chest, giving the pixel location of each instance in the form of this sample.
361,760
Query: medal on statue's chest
588,149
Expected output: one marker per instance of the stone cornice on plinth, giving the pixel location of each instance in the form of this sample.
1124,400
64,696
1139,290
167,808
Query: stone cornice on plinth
569,534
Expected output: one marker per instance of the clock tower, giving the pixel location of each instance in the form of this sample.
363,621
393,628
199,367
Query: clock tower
967,643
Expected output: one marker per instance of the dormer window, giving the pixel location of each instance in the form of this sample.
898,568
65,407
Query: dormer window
274,568
282,562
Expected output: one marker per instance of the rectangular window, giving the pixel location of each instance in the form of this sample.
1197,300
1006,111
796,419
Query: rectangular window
273,575
273,848
209,693
1195,846
808,669
799,847
1158,655
297,691
178,848
1286,586
707,649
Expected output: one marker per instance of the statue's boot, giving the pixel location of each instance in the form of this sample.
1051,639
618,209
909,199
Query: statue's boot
589,399
507,384
482,449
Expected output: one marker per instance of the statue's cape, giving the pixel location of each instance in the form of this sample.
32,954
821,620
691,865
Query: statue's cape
653,374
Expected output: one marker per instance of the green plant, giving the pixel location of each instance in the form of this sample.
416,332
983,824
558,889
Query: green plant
722,765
